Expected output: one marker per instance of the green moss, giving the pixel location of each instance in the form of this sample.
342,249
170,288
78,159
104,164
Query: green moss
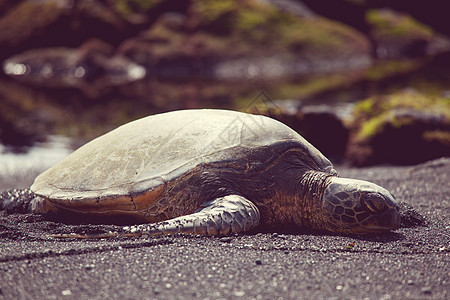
371,115
128,7
249,20
388,23
372,126
364,107
419,102
385,68
209,11
307,87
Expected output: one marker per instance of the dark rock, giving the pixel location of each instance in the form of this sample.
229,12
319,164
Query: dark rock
318,124
398,35
322,127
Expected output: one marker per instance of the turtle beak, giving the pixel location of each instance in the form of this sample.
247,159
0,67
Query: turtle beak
385,214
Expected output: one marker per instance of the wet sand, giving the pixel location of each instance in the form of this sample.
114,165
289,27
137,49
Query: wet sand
409,263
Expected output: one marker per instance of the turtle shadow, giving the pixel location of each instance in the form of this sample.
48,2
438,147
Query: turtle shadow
380,237
388,236
98,224
71,218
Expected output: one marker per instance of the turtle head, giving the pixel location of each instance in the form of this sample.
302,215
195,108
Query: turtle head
359,206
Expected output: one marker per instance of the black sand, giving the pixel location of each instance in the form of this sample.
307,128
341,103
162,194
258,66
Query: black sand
410,263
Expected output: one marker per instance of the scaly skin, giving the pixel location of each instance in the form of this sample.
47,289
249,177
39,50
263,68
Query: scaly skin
358,206
225,215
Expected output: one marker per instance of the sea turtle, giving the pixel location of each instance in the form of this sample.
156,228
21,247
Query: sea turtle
210,171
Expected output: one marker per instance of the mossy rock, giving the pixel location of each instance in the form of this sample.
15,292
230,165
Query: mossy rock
397,35
402,128
247,29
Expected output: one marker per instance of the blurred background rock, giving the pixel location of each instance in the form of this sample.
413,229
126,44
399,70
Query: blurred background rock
365,81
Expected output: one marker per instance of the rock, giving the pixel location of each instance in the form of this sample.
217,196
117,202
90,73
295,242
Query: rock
226,239
431,15
398,35
235,41
321,125
92,67
357,13
27,19
31,24
402,128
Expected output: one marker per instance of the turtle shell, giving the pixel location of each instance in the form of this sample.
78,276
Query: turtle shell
137,159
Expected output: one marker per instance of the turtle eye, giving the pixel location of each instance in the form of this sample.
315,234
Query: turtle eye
375,202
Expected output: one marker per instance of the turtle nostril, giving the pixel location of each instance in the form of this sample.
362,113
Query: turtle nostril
375,202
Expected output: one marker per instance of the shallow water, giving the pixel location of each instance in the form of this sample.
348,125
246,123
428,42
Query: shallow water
18,170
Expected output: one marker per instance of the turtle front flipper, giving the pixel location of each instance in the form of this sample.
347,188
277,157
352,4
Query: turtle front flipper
224,215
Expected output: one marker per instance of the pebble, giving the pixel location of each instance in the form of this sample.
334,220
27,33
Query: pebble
258,262
426,290
226,239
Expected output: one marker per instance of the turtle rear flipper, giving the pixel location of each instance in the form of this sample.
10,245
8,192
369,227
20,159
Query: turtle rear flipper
17,201
24,201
